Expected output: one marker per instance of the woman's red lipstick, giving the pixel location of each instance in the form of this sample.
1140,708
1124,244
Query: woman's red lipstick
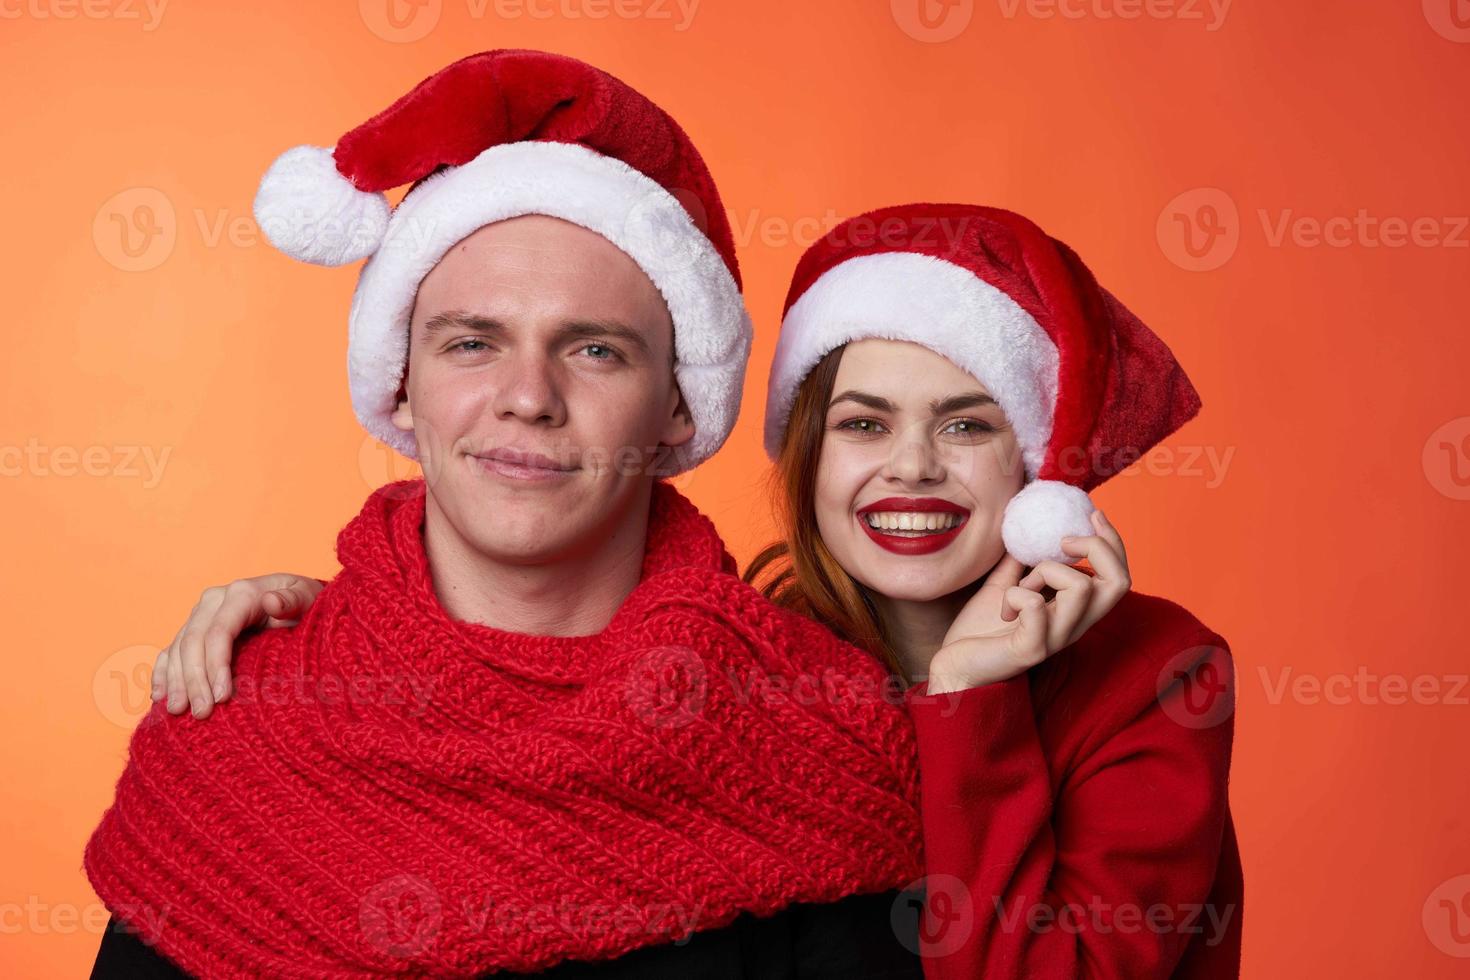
913,544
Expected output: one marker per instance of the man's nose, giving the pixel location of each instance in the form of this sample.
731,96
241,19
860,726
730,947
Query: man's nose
528,388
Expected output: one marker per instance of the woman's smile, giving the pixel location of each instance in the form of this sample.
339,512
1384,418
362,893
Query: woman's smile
912,525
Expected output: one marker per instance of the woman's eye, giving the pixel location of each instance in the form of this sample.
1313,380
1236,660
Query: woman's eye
969,427
864,426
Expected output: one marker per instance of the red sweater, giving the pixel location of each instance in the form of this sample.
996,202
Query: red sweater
1076,821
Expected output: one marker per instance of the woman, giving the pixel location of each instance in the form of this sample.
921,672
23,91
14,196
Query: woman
956,363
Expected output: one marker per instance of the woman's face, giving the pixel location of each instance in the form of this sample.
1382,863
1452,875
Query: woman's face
916,467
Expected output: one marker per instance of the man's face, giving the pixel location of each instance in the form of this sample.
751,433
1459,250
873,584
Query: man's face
539,386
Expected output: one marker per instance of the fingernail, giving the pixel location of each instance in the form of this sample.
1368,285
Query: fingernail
220,690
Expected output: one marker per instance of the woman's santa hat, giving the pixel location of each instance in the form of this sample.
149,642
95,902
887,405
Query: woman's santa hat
497,135
1085,385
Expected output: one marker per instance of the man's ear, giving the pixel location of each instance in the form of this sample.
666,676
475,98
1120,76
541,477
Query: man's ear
402,415
679,427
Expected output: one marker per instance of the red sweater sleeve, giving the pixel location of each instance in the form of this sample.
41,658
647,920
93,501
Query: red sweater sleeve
1082,844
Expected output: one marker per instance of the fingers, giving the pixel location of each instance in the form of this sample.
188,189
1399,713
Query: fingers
1074,589
1113,579
285,603
1028,643
159,686
178,697
1006,573
1106,529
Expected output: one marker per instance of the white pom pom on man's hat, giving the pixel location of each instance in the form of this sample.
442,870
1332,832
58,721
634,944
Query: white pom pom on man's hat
309,211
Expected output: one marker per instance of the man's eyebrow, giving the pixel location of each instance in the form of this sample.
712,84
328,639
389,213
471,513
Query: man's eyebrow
939,406
459,319
451,319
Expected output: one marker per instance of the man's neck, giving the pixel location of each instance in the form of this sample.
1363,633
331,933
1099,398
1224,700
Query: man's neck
577,595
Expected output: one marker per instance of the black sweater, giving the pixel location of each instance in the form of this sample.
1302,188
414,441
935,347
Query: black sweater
862,937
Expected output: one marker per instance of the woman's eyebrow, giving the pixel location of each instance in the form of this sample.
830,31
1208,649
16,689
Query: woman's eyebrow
957,403
939,406
863,398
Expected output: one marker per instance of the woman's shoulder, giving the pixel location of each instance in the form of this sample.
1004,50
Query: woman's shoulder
1129,660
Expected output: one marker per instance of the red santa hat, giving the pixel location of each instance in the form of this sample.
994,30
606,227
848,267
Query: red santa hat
1086,386
497,135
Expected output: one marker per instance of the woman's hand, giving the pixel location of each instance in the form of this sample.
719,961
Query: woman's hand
1009,626
195,669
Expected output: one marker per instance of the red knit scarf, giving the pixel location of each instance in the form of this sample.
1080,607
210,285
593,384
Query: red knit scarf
391,791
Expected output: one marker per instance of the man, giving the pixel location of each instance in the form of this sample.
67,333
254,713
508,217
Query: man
531,723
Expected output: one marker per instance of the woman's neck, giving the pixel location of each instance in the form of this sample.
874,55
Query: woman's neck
916,628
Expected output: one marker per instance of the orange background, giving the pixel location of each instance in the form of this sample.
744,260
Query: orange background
1322,539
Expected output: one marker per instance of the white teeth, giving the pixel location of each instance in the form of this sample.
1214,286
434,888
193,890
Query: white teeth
911,521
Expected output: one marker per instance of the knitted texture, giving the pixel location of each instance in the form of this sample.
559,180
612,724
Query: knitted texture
393,792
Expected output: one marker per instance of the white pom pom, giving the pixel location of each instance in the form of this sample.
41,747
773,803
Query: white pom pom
311,212
1037,518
